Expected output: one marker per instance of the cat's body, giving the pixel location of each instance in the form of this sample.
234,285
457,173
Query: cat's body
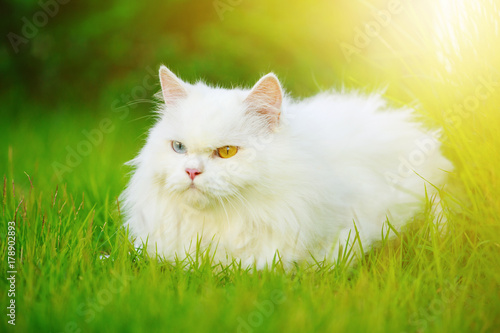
304,173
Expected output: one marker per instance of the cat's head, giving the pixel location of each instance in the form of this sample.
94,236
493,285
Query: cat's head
212,144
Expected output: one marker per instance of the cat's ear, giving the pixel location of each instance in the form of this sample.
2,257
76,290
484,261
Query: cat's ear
172,87
265,98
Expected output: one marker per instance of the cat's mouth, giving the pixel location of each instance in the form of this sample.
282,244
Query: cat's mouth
195,196
194,189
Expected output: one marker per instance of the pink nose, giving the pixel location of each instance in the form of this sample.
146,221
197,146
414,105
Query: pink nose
193,173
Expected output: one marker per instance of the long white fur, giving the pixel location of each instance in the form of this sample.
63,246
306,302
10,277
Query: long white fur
333,160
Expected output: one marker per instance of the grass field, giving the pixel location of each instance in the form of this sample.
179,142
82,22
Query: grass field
76,271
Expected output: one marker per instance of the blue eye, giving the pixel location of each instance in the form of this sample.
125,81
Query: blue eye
178,147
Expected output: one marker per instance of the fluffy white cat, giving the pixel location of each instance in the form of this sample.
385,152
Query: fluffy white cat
252,173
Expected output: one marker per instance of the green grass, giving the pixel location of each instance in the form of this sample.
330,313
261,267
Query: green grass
420,281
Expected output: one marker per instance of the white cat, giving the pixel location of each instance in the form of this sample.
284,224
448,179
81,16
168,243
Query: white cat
253,172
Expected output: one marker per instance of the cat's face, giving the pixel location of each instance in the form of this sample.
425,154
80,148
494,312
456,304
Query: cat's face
207,146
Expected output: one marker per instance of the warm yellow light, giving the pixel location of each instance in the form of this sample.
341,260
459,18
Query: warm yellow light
460,28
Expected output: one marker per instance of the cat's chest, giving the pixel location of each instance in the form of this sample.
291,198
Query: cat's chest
227,230
209,222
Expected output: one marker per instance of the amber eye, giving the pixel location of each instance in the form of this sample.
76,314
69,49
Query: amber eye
227,151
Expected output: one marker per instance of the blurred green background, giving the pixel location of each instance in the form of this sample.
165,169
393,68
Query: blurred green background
92,51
